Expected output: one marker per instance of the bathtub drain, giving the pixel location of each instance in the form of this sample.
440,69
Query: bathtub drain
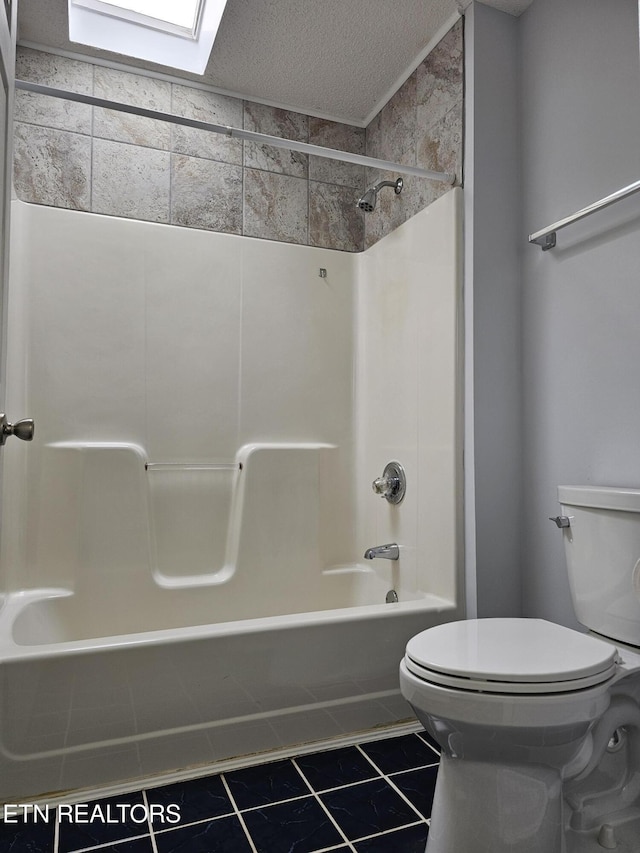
391,597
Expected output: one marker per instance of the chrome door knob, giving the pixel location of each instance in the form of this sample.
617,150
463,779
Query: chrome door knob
22,429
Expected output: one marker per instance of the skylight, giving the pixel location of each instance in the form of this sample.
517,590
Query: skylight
182,13
176,33
179,16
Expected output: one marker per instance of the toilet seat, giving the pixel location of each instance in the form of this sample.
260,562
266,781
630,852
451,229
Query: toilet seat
516,656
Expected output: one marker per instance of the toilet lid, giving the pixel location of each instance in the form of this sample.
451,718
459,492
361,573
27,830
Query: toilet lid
510,656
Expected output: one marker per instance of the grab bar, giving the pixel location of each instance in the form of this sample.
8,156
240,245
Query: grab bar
546,237
193,466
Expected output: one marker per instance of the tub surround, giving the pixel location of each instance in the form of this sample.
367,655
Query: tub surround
83,158
183,563
408,396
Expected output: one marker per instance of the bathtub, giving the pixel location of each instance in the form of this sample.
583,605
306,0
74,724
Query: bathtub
128,668
82,711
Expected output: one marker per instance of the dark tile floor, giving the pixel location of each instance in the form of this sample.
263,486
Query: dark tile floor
374,797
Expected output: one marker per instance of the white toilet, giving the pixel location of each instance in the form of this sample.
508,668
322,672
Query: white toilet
539,725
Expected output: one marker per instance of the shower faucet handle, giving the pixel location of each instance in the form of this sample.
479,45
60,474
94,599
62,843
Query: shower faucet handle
22,429
392,485
381,485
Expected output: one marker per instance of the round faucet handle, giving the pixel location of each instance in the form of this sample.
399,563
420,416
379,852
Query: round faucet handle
392,484
381,485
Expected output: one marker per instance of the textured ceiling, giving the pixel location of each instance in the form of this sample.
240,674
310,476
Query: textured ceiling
336,58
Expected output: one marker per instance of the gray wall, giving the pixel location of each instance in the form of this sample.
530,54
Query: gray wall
493,451
580,114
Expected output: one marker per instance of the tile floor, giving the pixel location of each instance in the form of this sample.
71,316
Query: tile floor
369,798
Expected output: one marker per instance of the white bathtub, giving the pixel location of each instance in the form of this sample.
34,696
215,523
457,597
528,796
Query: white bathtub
130,667
81,711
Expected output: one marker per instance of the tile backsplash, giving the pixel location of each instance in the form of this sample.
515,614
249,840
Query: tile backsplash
76,156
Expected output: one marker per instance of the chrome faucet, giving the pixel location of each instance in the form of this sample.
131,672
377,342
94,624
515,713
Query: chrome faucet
386,552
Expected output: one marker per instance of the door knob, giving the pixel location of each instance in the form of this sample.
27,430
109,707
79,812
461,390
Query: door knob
22,429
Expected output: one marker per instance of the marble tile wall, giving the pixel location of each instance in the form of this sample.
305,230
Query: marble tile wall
87,158
420,126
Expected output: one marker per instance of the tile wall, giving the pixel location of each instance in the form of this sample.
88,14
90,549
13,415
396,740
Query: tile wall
420,126
86,158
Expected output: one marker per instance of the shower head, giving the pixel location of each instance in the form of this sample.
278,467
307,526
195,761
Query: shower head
368,201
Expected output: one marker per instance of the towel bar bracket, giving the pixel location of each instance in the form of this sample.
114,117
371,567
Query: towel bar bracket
546,242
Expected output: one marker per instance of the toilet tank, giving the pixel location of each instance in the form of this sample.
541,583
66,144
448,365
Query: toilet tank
602,548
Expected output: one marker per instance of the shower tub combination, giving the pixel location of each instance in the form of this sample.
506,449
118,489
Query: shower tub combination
170,601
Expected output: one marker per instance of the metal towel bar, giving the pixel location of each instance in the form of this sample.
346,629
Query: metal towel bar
546,238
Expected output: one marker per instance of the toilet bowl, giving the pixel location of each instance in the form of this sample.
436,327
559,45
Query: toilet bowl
539,724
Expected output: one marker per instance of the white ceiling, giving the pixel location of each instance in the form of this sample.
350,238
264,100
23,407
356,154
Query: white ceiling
340,59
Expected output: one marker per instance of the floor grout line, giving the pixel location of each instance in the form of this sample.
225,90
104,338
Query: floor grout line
198,822
390,831
424,740
411,769
392,784
322,805
150,822
105,845
238,813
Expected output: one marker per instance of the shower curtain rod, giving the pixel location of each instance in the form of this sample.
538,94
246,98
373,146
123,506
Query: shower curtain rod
238,133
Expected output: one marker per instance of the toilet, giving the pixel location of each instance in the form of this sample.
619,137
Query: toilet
539,724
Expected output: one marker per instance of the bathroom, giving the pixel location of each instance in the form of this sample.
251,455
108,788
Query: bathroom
550,112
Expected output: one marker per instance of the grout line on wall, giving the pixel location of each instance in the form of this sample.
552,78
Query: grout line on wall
93,121
88,134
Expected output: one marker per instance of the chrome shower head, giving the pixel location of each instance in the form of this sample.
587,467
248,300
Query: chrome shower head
368,201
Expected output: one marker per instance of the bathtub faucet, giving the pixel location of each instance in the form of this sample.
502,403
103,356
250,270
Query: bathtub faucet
386,552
